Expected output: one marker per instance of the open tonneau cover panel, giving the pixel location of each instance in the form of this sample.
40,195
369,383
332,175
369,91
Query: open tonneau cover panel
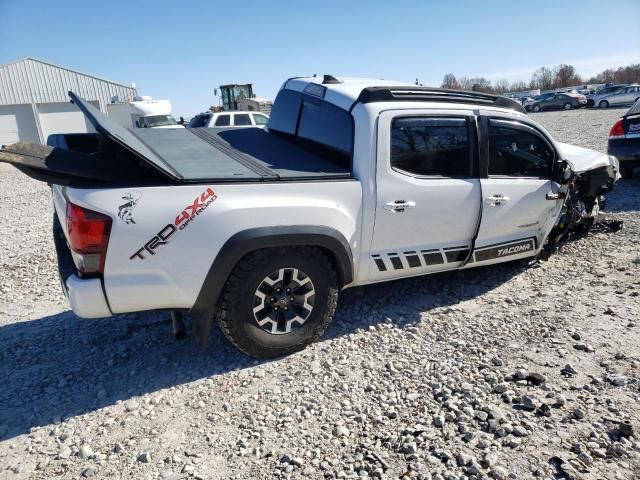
176,155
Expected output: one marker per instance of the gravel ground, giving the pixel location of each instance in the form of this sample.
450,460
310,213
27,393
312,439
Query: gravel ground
499,372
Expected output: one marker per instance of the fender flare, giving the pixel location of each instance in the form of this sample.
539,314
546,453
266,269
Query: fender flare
247,241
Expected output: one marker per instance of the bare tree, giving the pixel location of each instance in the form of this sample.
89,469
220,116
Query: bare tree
518,86
501,86
449,81
543,78
628,74
566,76
481,84
466,83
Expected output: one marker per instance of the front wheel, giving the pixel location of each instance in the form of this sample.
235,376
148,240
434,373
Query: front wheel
277,301
536,108
567,106
603,104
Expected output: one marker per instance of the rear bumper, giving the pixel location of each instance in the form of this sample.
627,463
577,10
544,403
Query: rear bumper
625,150
86,297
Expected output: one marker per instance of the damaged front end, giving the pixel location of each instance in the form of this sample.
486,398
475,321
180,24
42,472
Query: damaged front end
584,205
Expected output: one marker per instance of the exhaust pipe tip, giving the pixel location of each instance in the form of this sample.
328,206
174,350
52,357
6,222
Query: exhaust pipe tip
179,328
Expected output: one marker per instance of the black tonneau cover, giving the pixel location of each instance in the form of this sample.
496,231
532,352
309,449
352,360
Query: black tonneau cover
180,155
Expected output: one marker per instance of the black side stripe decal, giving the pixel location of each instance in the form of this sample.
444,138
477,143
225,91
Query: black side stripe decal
414,259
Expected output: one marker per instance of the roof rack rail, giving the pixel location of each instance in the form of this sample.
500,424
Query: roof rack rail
426,94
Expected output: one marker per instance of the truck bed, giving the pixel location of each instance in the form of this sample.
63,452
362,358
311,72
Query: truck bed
122,155
236,154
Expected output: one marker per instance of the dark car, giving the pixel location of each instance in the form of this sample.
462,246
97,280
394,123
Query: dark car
560,101
624,140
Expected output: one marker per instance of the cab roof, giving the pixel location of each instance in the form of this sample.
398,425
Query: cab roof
345,92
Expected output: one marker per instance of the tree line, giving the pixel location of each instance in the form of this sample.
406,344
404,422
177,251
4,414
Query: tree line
544,78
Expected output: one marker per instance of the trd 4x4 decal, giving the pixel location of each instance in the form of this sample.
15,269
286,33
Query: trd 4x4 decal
125,211
182,220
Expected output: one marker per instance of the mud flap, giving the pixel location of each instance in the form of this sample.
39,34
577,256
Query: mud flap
201,322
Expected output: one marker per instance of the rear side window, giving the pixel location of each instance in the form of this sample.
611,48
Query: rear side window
517,151
223,121
241,119
431,146
260,119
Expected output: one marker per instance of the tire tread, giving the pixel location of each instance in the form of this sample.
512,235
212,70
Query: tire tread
229,297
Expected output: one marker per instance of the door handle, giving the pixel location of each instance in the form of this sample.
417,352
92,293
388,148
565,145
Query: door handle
496,200
555,196
399,206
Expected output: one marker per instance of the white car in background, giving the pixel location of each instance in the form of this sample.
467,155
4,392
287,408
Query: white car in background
229,119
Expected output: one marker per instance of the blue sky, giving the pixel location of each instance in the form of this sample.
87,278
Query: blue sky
182,50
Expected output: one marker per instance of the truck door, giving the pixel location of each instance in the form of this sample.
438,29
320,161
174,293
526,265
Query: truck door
427,192
520,201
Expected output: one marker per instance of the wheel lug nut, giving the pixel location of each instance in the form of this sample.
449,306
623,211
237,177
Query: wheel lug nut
292,299
286,308
272,299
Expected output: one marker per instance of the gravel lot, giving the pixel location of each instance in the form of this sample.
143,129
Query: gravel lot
500,372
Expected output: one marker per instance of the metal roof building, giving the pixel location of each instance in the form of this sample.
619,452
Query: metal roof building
34,100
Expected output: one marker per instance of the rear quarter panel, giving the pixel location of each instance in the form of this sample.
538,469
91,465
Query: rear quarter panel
173,275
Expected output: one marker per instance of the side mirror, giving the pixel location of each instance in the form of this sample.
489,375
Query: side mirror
562,172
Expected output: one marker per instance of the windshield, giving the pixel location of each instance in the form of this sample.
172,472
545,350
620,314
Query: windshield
157,121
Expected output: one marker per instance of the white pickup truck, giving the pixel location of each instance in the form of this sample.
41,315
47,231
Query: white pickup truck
353,182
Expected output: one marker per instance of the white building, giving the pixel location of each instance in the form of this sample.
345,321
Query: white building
34,100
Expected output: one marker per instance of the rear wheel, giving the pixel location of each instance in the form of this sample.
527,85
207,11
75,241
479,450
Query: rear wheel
278,301
603,104
536,108
567,106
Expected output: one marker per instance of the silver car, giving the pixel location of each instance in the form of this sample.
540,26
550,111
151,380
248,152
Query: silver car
622,96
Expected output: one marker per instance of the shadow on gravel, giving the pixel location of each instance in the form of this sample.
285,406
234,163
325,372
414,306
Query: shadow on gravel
62,366
625,196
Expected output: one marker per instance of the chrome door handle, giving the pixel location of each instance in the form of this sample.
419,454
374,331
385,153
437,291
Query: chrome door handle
496,200
555,196
399,206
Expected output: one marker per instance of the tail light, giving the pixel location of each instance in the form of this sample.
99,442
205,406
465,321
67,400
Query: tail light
88,235
617,131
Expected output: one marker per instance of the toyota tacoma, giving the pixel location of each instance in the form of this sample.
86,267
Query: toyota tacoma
353,182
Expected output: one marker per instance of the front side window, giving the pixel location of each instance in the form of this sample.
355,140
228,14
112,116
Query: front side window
241,119
516,151
431,146
223,121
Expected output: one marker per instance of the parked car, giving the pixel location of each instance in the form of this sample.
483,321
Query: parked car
560,101
620,97
354,181
530,101
624,140
229,119
593,99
